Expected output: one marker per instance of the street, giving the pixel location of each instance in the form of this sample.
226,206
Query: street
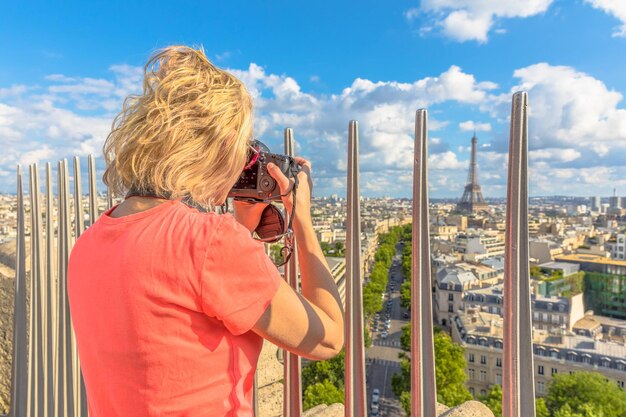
382,357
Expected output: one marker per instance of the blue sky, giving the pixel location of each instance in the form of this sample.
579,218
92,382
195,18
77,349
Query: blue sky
315,66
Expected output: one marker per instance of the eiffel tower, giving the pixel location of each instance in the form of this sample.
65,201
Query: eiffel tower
472,200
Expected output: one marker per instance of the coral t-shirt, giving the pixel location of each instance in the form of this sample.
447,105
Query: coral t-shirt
162,303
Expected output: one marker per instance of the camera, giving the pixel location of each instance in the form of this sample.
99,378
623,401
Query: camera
255,184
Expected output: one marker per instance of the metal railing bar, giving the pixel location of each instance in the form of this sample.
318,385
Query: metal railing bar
518,399
292,385
50,296
355,401
19,370
423,387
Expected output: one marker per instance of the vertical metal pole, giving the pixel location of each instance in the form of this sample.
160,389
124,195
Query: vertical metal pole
19,373
355,402
93,197
50,296
64,390
292,386
79,216
518,390
423,387
80,393
36,342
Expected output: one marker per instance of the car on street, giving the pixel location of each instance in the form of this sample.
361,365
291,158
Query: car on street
375,396
406,315
374,411
384,334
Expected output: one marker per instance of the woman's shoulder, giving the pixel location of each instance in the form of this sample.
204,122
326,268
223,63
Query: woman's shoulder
211,223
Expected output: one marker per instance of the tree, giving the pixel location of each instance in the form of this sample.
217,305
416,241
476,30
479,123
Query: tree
319,371
367,338
587,410
493,400
325,248
405,294
372,301
449,369
276,254
586,394
340,248
540,408
324,392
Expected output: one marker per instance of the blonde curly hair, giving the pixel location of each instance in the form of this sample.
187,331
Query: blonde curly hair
186,135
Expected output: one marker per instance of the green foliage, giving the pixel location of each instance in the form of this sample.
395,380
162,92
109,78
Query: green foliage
372,301
405,294
541,410
405,402
586,394
449,369
275,253
367,338
337,249
493,400
324,392
586,410
576,282
535,272
320,371
325,247
340,248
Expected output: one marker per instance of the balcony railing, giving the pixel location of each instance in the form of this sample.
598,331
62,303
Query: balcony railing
48,383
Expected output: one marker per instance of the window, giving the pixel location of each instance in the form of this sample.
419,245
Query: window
483,359
450,308
499,379
620,384
450,297
483,392
554,371
483,376
541,387
472,391
540,369
499,362
471,357
470,371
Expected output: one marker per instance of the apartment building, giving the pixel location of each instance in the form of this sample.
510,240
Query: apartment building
480,333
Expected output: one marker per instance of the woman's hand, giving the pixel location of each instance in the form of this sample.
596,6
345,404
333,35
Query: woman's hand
248,214
303,192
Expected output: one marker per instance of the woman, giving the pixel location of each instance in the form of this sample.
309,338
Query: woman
170,305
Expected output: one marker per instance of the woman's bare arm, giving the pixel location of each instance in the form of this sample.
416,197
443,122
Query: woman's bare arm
310,324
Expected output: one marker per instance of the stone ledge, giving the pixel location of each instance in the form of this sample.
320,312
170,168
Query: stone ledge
468,409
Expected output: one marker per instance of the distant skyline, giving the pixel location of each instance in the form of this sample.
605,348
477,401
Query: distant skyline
315,66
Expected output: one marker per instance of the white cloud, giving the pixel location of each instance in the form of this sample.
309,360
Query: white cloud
445,161
467,20
576,126
469,126
616,8
572,111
